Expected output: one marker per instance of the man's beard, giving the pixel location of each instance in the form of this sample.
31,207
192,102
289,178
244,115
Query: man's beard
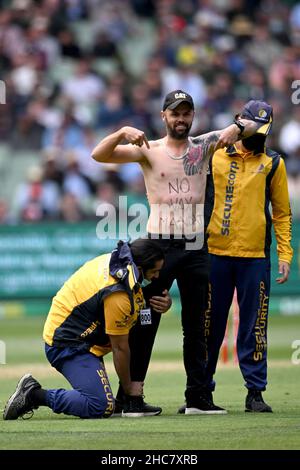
182,135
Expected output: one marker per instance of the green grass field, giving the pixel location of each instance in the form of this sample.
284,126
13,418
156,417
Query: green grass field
164,386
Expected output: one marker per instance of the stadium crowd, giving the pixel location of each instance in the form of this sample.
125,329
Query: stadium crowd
75,70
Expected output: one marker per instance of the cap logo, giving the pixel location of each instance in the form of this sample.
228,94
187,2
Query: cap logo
180,96
262,113
120,274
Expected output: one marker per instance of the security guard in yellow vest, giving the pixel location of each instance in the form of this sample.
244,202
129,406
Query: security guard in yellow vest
90,316
247,178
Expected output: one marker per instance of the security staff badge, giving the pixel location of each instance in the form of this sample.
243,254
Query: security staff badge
145,316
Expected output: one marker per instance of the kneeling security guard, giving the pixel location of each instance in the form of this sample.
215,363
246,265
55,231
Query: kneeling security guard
90,316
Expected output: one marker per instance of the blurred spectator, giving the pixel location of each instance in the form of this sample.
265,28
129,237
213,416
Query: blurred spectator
4,213
104,46
70,210
106,203
145,8
37,198
74,182
52,166
68,45
263,49
289,137
24,74
64,131
113,110
85,86
87,165
139,114
284,70
40,44
185,77
11,42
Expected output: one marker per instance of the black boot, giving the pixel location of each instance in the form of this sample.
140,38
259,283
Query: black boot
255,403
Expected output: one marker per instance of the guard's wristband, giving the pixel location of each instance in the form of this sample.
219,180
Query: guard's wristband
240,126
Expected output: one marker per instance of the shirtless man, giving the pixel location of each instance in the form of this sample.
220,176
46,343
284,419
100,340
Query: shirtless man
175,171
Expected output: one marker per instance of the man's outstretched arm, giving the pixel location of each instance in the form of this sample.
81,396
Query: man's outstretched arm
222,138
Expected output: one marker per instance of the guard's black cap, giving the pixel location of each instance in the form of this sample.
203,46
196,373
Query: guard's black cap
174,98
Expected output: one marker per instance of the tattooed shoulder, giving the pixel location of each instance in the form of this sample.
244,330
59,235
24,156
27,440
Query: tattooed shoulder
201,149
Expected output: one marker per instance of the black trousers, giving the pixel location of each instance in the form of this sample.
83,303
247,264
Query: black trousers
191,269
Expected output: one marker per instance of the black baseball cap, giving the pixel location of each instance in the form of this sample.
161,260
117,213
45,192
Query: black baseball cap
175,98
260,112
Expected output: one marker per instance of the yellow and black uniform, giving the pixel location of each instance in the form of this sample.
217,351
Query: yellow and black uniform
91,305
241,222
239,238
102,298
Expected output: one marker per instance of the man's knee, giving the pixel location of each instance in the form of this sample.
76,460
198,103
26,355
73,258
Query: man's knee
101,408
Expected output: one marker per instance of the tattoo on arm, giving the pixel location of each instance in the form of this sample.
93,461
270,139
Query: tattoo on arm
208,141
200,152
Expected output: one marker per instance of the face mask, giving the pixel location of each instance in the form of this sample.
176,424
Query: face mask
255,142
145,281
